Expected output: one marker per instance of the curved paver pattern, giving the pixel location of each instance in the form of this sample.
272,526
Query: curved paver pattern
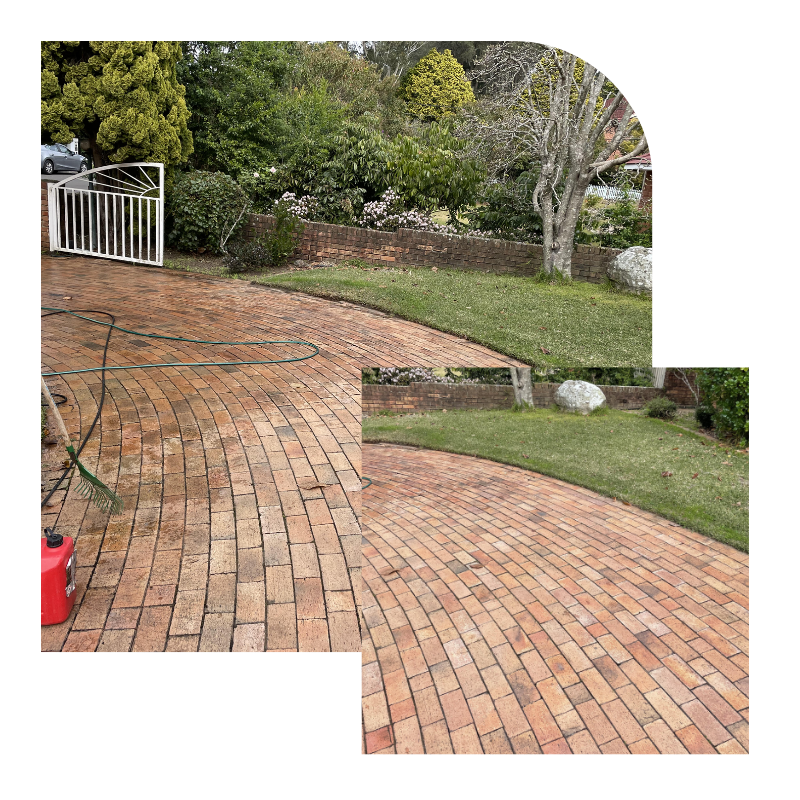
510,612
241,485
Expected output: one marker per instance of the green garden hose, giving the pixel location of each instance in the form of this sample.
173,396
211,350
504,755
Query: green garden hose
103,368
111,325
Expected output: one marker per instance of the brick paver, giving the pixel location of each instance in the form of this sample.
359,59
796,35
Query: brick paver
547,618
241,489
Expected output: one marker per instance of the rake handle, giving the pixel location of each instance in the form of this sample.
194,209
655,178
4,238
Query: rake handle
54,408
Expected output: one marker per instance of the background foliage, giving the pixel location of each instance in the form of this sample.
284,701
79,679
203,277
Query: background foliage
124,97
727,391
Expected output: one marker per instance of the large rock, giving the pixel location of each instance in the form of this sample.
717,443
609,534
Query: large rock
633,269
579,396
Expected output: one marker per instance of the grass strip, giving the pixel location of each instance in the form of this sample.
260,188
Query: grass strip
615,453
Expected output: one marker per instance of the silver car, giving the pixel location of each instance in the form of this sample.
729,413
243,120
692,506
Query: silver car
59,158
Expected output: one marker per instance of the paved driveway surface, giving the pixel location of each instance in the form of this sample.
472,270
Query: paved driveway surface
241,484
508,612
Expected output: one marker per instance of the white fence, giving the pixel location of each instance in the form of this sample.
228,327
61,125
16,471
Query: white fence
612,193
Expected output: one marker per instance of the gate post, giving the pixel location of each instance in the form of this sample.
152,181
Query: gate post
52,215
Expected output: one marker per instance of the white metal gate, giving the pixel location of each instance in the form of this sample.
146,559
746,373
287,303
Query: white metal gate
112,212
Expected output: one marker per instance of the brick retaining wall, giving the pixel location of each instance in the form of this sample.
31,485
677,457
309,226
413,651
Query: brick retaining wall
419,248
438,396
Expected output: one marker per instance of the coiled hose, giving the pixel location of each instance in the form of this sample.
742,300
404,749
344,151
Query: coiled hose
103,368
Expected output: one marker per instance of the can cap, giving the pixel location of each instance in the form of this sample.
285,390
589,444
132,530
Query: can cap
53,539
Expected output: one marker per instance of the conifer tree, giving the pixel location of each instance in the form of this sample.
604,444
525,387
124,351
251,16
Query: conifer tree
436,87
121,96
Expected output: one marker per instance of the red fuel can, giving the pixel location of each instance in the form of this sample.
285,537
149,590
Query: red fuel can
58,577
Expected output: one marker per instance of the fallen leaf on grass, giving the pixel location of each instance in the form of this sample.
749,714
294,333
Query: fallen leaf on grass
625,502
434,269
695,475
542,329
666,474
545,350
524,456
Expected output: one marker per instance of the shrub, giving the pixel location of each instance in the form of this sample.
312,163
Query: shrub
405,376
505,208
661,408
243,256
204,209
705,416
622,224
727,391
273,248
389,213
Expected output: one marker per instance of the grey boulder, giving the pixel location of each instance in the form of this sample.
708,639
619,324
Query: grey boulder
633,269
579,396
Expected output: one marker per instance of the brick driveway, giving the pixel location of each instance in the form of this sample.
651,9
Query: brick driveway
510,612
240,483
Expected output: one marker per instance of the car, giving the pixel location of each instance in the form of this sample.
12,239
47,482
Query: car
59,158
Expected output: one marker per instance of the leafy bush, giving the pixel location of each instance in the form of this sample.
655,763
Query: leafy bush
244,256
273,248
622,224
431,170
203,209
285,236
505,208
705,416
727,391
661,408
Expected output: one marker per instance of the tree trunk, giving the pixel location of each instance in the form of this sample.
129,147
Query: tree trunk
523,388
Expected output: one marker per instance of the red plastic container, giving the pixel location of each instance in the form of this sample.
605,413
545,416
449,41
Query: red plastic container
58,577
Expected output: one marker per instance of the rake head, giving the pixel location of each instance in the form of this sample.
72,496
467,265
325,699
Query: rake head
92,488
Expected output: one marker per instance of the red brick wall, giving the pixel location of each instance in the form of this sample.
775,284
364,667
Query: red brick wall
438,396
677,390
418,248
45,219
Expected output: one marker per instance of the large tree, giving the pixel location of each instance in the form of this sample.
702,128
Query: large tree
123,97
548,108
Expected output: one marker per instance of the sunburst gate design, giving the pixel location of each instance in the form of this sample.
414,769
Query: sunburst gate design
115,211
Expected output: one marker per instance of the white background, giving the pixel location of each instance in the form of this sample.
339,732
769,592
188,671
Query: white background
714,88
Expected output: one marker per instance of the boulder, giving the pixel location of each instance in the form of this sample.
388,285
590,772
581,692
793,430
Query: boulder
579,396
633,269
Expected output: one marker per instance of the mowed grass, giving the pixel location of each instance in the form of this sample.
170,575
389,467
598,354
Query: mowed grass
578,324
616,453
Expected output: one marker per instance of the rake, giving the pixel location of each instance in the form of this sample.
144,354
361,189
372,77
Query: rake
90,486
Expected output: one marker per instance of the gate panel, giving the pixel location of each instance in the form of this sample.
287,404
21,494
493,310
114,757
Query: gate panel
111,212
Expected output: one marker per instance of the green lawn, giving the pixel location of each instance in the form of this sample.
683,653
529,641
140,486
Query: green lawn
616,453
580,324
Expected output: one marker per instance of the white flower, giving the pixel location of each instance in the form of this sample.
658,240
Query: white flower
256,175
273,170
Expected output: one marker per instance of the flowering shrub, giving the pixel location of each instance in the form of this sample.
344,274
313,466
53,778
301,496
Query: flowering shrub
404,376
389,214
304,208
